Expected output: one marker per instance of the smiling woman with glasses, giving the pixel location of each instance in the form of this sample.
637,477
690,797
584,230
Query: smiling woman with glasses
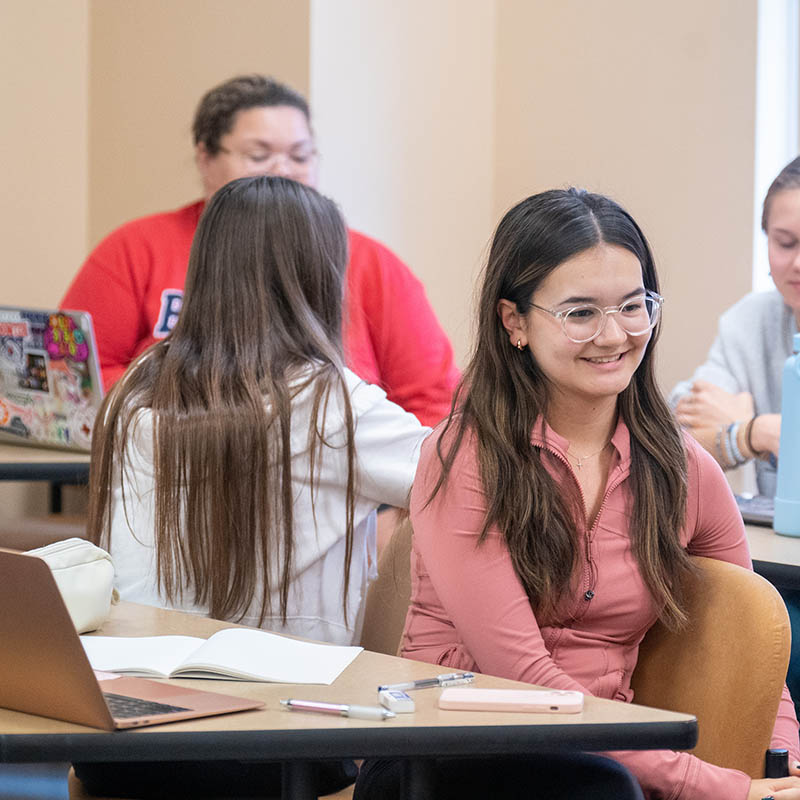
555,511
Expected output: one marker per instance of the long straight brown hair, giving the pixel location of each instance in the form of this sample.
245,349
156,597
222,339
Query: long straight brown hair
503,394
261,320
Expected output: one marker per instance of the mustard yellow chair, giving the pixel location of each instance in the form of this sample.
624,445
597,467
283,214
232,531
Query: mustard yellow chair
388,596
727,667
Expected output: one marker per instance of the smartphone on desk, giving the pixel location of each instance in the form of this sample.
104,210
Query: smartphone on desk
542,701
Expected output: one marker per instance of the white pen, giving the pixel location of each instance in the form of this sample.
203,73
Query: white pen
340,709
452,679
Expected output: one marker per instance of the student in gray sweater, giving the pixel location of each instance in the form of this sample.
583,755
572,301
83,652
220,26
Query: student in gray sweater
732,403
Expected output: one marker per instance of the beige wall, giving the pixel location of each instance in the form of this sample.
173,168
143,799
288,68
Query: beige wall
151,61
402,95
43,146
43,152
653,103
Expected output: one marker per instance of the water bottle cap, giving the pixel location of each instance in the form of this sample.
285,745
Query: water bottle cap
797,343
776,763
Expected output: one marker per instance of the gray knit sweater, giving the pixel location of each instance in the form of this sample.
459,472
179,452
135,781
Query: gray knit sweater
753,342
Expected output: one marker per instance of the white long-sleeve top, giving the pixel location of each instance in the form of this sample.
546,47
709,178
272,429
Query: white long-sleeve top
387,443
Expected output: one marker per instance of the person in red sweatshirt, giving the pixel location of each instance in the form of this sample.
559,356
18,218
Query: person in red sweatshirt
132,282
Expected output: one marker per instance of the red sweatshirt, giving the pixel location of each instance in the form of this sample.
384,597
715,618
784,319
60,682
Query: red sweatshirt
132,284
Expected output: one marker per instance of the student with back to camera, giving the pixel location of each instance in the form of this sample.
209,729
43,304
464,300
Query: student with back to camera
555,511
237,464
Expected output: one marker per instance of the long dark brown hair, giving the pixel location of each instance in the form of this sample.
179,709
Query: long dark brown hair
261,320
503,394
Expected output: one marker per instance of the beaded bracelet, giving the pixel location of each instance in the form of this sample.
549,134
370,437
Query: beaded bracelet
722,456
726,446
733,432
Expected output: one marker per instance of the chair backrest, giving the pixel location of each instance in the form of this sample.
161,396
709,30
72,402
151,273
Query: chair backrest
389,594
727,667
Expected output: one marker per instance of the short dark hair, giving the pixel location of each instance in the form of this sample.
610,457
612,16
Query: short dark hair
218,107
788,178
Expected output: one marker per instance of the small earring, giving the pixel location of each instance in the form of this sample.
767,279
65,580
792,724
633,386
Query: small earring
519,344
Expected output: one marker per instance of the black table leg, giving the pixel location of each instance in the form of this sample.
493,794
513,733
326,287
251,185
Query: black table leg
55,498
297,781
418,780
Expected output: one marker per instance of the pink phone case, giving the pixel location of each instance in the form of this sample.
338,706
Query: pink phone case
543,701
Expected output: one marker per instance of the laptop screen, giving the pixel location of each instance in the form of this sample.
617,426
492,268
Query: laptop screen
50,385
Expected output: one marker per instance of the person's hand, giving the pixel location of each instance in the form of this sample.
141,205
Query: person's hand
766,434
708,406
777,788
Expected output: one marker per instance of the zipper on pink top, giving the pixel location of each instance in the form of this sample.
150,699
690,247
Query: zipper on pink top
589,533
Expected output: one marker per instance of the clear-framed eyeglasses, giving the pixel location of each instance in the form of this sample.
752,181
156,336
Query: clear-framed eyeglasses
300,159
636,316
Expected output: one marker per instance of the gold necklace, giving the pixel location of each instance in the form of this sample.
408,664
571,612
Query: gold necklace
580,459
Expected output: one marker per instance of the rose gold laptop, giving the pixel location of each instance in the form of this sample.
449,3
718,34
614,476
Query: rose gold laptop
44,669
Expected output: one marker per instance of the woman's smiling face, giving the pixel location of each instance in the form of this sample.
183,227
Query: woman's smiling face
604,275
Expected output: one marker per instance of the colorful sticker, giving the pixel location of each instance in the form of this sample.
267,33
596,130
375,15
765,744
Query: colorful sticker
33,375
62,339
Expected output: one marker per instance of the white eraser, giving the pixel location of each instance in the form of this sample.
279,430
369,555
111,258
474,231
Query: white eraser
396,700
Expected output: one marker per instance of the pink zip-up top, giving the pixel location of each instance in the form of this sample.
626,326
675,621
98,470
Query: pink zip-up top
469,610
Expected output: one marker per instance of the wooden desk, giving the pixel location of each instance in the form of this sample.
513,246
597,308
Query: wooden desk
22,463
295,737
775,557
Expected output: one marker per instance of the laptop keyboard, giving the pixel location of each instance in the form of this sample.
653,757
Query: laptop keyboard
758,510
123,707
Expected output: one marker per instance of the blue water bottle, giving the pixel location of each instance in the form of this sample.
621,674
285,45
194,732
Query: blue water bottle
787,498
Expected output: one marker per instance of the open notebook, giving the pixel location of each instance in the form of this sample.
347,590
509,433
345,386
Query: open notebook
44,669
240,654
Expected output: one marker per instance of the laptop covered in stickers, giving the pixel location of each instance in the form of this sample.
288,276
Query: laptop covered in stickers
50,386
